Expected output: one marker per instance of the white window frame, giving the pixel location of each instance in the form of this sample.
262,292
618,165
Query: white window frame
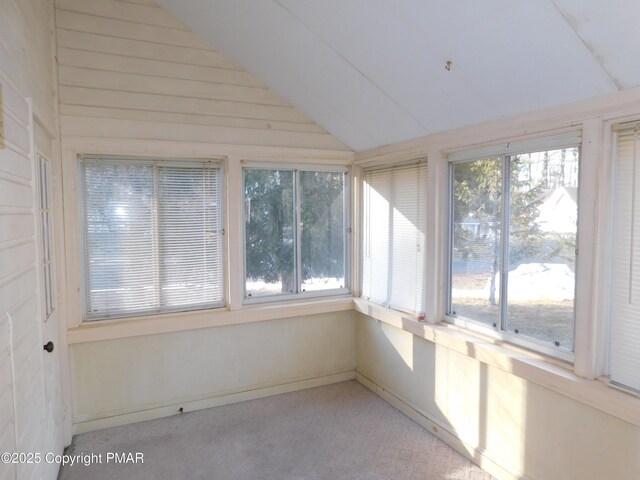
45,209
146,160
295,168
568,140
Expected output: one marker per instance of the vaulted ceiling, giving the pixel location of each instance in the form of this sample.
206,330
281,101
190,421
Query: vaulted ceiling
373,72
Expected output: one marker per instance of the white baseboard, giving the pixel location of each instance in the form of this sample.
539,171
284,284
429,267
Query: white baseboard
213,401
444,433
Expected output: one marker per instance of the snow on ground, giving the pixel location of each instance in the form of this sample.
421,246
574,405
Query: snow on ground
259,287
531,282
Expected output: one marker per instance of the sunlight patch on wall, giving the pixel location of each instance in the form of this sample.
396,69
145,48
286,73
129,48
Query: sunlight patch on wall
403,344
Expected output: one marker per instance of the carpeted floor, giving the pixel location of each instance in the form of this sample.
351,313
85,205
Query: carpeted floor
340,431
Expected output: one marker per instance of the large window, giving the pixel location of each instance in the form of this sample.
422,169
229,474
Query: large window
624,351
295,231
153,236
394,236
513,244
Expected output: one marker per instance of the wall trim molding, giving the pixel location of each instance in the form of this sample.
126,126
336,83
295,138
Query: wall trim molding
445,433
215,400
172,148
99,330
549,373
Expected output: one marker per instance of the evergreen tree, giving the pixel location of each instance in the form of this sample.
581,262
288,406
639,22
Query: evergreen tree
478,203
270,220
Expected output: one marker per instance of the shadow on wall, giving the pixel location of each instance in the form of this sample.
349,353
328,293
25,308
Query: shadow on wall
449,388
529,431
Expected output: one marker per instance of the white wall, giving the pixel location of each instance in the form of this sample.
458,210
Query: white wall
26,71
134,80
130,70
202,368
528,430
532,415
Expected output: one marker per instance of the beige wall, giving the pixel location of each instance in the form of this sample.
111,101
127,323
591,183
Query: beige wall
195,369
526,429
26,72
130,70
134,80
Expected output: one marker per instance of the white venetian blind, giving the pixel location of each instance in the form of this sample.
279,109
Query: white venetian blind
153,236
394,239
624,351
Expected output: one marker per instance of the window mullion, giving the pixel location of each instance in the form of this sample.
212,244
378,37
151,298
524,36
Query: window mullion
450,233
297,228
347,234
504,242
156,237
205,260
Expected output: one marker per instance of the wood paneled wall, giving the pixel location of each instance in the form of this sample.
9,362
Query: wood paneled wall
130,70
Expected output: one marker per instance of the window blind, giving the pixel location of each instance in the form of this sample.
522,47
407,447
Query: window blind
153,237
394,237
624,354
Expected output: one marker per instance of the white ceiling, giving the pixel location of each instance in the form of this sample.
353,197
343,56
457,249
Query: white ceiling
372,72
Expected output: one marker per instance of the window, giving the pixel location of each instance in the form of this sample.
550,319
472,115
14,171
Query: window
394,237
295,225
153,236
513,243
624,334
47,243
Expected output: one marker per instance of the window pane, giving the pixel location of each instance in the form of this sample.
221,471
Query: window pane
624,329
46,234
44,184
190,236
475,259
269,229
153,238
120,243
322,217
377,257
543,210
48,290
394,237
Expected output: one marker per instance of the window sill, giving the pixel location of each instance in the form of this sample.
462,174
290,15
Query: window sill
547,372
289,297
508,338
178,322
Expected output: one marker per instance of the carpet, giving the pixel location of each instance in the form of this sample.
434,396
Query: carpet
339,431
